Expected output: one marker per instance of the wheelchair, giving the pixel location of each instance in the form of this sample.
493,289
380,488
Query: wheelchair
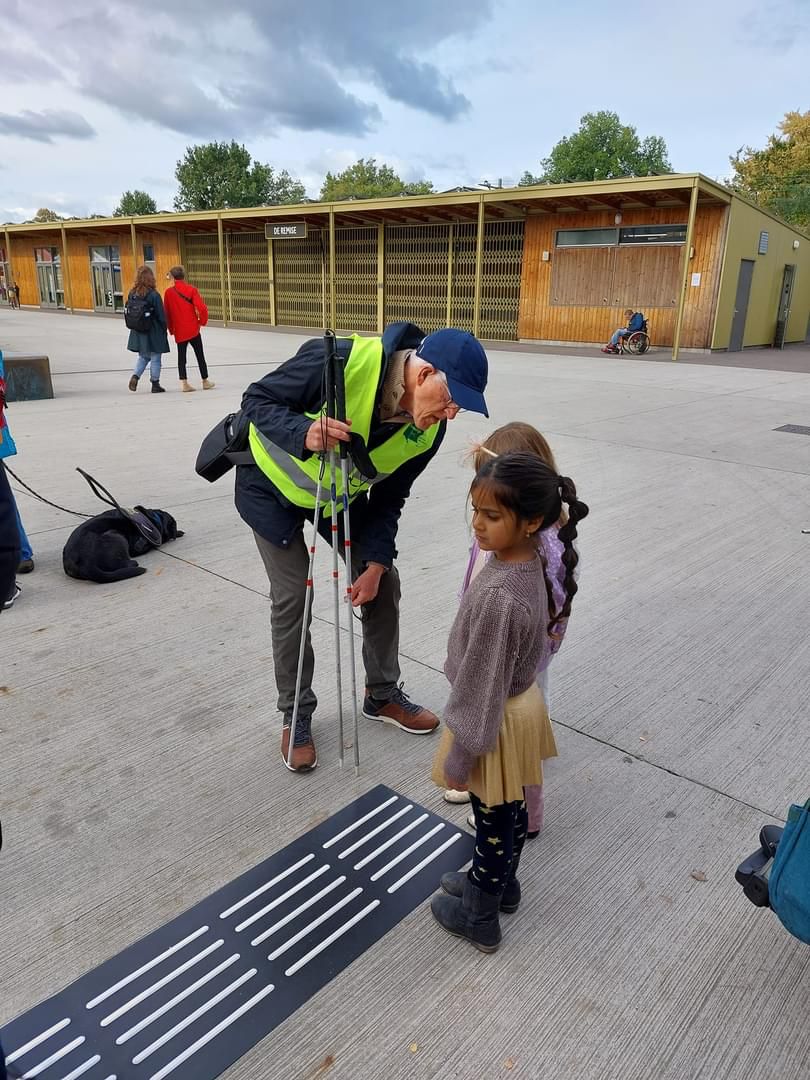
637,343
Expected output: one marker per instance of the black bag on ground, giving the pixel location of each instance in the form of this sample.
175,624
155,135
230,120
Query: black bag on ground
223,447
139,312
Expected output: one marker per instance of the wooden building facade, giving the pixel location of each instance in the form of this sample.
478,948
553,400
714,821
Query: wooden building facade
551,263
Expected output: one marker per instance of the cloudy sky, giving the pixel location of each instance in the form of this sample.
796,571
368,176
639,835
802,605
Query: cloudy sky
100,97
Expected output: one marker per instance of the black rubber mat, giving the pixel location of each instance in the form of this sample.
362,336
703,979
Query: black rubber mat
195,995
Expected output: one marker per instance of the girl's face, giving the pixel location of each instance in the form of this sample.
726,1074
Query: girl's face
498,529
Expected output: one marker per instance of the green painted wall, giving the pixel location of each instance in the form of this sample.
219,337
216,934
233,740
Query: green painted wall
745,225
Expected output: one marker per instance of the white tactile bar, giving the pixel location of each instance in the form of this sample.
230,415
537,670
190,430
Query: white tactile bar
404,854
212,1034
280,899
297,911
389,843
356,825
153,989
32,1044
374,832
146,967
189,990
187,1021
267,885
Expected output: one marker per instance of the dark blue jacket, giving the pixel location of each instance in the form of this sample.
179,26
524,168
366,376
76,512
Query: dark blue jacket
276,405
156,340
636,322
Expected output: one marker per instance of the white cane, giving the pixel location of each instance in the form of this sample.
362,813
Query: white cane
336,596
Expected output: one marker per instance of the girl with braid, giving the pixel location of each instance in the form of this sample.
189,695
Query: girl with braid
512,438
495,719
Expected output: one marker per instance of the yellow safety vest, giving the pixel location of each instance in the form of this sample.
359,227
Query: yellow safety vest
297,480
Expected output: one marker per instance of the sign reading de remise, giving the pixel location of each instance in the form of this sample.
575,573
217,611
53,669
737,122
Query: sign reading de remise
288,230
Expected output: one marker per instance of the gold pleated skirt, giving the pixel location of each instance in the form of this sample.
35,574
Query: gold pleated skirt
525,740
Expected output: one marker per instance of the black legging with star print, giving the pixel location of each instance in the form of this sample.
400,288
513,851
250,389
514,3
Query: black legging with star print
500,832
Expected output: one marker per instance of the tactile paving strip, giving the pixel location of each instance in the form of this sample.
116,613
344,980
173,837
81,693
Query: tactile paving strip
191,998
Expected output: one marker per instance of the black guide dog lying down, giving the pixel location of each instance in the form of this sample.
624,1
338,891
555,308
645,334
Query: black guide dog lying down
101,548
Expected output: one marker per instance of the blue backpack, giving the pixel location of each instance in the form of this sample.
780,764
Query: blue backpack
789,882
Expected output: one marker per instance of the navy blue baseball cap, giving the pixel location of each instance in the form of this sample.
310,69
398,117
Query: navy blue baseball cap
462,359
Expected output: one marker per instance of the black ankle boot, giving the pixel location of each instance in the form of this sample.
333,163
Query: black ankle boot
474,916
510,899
157,388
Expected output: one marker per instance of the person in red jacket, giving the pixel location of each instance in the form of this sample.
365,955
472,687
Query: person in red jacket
185,314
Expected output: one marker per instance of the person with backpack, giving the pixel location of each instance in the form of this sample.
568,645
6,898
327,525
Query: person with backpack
186,313
146,319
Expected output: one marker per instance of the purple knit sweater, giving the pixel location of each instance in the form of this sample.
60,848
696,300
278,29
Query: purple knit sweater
498,641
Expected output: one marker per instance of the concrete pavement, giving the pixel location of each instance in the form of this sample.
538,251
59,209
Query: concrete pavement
140,769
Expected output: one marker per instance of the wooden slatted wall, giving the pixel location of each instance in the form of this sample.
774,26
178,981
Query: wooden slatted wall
580,294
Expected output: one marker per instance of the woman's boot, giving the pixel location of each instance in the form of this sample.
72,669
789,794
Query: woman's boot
453,884
474,916
157,388
208,385
186,386
133,382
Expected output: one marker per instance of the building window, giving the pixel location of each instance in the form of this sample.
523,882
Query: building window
105,277
587,237
763,244
149,256
633,234
49,277
653,234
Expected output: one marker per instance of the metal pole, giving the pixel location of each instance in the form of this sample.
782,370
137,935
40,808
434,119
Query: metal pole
221,267
479,262
135,259
228,273
272,282
332,304
8,254
66,269
323,277
450,245
304,625
380,277
687,255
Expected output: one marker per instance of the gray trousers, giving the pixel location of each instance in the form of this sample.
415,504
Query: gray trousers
287,571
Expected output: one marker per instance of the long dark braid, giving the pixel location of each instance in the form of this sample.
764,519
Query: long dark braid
528,488
577,510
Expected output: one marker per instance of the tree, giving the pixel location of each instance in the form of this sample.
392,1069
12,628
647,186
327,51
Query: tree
44,214
778,177
368,180
135,203
217,175
603,149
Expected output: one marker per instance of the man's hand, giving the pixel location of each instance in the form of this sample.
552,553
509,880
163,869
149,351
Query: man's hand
334,430
367,584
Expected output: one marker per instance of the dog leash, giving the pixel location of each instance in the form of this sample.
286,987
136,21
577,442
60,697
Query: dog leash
56,506
144,526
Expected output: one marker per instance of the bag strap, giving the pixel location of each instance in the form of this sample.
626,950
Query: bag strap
187,299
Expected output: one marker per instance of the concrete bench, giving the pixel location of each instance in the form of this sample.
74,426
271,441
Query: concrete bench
28,378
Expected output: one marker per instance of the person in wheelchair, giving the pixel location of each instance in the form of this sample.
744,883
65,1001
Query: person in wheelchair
635,323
